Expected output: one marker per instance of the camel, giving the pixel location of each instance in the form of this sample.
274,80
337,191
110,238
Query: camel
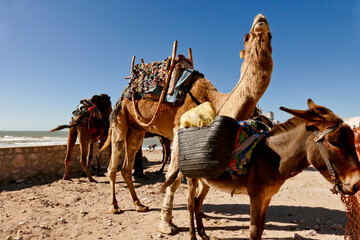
126,130
289,150
91,126
357,140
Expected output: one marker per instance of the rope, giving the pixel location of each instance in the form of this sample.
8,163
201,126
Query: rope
242,77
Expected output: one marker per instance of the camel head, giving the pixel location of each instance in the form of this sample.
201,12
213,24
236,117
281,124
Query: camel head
103,103
258,42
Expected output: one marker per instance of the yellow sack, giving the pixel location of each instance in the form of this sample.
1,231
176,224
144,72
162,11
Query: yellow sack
199,116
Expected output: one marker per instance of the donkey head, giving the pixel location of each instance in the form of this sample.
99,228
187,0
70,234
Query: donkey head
338,143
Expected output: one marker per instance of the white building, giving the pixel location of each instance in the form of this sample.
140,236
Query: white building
270,115
353,122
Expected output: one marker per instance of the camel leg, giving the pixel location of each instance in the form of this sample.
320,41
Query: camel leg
138,165
133,143
192,185
70,146
165,143
256,216
117,145
166,226
98,159
203,189
90,153
84,144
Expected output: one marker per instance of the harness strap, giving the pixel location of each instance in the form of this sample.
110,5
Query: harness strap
192,96
319,137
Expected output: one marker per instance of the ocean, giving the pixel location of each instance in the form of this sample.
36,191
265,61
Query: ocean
45,138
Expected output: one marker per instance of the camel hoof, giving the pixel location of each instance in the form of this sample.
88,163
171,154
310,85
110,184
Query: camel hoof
93,180
167,228
66,178
115,210
141,208
159,172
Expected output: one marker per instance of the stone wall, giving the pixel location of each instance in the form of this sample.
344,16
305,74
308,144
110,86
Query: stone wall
19,163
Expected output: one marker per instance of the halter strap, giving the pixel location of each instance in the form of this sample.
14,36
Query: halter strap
319,138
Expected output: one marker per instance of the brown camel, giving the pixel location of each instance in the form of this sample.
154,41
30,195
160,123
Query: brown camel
357,140
125,130
289,150
91,125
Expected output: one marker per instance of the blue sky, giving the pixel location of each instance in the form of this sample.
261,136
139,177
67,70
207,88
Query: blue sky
54,53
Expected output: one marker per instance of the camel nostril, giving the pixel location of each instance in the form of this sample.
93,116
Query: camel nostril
355,188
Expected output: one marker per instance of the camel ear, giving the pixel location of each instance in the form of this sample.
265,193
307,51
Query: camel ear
242,54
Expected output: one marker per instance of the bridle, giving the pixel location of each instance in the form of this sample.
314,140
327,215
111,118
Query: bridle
319,138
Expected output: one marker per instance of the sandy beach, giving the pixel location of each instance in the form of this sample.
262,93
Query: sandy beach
51,208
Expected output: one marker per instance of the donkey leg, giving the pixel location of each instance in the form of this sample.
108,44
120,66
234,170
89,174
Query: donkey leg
192,185
117,145
263,215
84,144
133,143
199,200
70,146
256,210
166,225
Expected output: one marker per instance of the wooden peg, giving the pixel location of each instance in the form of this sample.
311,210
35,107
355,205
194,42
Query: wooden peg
190,57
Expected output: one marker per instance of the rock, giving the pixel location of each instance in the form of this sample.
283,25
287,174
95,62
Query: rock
62,220
302,222
297,236
160,235
318,220
45,226
317,227
22,223
337,227
83,212
311,233
329,222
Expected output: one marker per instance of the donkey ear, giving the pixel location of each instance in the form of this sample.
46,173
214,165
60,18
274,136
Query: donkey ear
306,115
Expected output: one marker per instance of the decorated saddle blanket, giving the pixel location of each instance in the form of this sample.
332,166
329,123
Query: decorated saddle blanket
247,137
89,111
150,78
147,76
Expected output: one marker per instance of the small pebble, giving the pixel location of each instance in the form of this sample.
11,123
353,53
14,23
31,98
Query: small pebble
311,233
337,227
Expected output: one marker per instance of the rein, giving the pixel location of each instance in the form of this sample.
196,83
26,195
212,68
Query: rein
319,138
242,77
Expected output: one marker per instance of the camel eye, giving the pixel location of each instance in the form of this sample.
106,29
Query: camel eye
335,144
246,38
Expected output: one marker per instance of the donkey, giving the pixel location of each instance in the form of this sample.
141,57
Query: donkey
314,137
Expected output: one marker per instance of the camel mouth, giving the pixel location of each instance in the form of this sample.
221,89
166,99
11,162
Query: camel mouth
260,24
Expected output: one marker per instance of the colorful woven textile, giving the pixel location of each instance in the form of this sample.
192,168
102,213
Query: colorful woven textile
147,76
241,157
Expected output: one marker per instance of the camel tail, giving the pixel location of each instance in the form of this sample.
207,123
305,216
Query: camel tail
169,181
108,141
60,127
